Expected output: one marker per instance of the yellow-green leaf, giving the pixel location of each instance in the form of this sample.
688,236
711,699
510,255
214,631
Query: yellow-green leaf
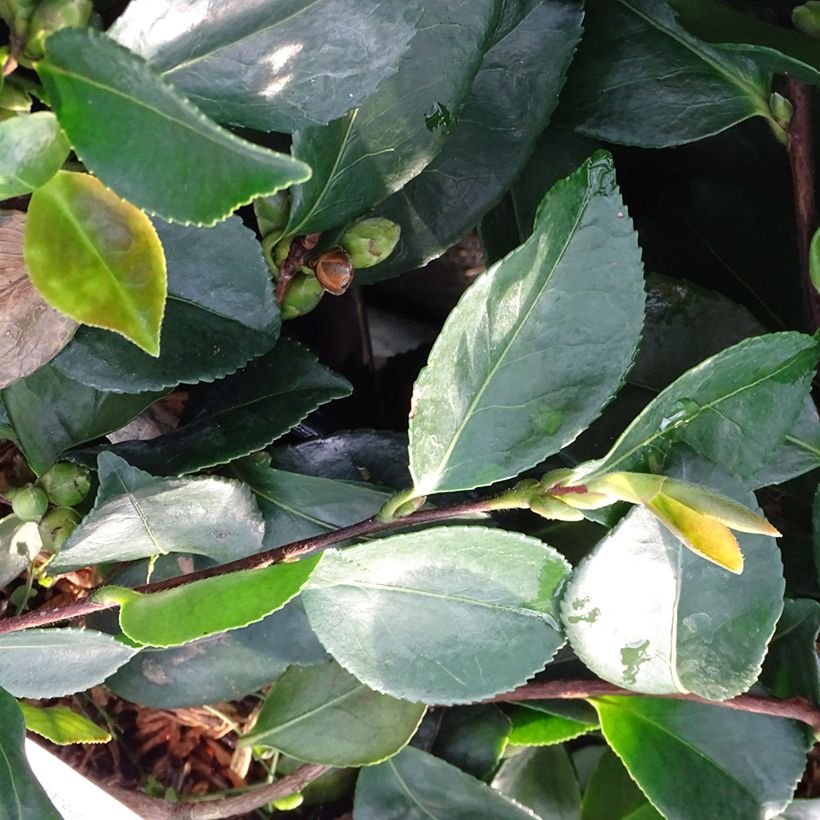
62,726
96,258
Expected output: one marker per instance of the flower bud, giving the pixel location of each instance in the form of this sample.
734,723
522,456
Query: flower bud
280,252
66,484
370,241
29,503
781,109
806,18
303,294
272,213
56,526
51,16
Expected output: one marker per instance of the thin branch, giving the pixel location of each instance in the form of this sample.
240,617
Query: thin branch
287,552
204,809
794,708
801,159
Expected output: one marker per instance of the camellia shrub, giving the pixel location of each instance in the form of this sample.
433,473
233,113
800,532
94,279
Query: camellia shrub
558,596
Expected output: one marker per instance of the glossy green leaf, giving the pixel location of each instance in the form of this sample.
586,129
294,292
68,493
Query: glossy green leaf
242,413
220,314
791,668
674,622
322,714
295,70
545,723
21,796
61,725
511,99
472,738
773,48
684,756
640,79
178,616
50,663
51,413
32,149
298,506
444,615
736,408
20,543
543,780
814,260
221,667
417,786
536,346
613,795
363,157
122,119
96,258
137,516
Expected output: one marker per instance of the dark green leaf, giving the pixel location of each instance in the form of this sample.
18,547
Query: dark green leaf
222,667
137,516
374,150
21,796
297,506
537,346
220,313
645,612
685,756
61,725
322,714
51,413
799,453
299,62
473,738
242,413
32,149
187,613
96,258
146,141
545,723
444,615
417,786
791,669
50,663
736,408
613,795
773,48
512,97
542,780
640,79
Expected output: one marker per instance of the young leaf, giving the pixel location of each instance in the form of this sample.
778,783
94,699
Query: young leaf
21,796
685,758
491,141
220,314
735,408
33,332
612,794
50,663
322,714
137,516
445,615
295,70
543,780
51,413
674,622
178,616
96,258
363,157
545,723
537,346
61,725
637,69
32,149
242,413
417,786
121,119
222,667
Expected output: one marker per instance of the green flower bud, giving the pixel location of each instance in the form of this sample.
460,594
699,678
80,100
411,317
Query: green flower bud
303,294
781,109
806,18
280,252
370,241
292,801
29,503
272,213
17,14
66,484
56,526
51,16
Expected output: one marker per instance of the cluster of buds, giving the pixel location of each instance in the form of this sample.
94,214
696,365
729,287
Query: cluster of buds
701,518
